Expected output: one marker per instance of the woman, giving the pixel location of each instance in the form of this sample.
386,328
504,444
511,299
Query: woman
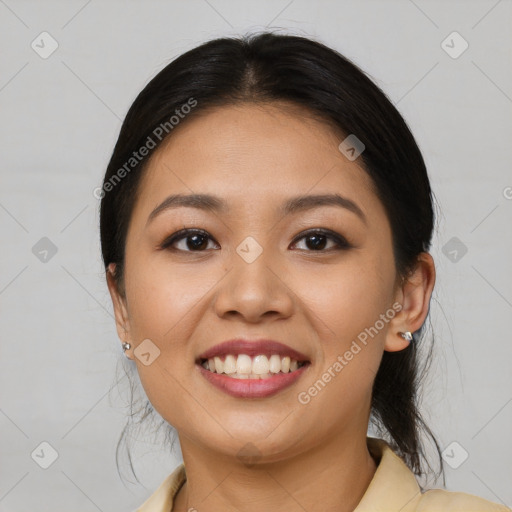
266,218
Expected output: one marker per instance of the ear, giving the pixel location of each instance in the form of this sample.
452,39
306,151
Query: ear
120,309
414,295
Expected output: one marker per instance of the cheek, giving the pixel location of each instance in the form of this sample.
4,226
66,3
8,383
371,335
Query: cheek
345,307
161,296
163,304
161,307
348,297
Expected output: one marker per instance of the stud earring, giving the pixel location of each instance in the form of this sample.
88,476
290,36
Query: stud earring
406,335
126,346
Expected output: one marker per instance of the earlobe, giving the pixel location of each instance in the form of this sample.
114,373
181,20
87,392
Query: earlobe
414,295
119,305
397,341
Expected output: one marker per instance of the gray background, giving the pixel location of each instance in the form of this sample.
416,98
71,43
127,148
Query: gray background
60,117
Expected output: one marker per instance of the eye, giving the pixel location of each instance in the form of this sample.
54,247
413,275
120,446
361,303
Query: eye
194,240
316,240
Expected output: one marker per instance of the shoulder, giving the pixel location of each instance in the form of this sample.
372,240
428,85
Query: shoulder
163,498
394,487
441,500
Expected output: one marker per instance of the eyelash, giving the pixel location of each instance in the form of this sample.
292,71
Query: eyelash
340,241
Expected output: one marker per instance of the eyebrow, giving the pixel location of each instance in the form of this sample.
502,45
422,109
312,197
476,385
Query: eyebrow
215,204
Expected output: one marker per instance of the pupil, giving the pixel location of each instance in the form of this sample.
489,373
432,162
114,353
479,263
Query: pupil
318,244
195,245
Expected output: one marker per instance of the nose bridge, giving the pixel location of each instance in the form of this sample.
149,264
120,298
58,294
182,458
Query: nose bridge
251,262
253,287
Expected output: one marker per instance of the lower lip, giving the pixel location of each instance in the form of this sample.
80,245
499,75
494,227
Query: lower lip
252,388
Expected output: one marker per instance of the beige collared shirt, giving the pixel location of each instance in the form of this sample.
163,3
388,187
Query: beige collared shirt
393,488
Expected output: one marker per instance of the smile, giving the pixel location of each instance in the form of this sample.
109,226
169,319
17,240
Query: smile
259,376
243,366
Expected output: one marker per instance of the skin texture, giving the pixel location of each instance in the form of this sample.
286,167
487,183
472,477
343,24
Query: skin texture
311,456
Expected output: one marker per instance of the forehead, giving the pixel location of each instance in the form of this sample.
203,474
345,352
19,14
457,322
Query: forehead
254,154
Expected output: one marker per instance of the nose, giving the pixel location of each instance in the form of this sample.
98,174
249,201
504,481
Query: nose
254,291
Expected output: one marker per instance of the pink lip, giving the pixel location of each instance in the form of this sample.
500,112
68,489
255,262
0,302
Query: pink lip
252,388
252,348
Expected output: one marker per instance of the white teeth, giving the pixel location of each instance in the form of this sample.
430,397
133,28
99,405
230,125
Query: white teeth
243,364
275,363
257,367
260,365
229,364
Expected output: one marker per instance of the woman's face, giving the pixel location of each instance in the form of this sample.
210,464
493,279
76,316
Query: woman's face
259,272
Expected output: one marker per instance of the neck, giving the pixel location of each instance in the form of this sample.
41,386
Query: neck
333,476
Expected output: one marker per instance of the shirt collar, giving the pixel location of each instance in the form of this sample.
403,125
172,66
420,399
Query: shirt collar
393,486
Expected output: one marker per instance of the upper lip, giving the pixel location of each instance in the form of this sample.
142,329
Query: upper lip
252,348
